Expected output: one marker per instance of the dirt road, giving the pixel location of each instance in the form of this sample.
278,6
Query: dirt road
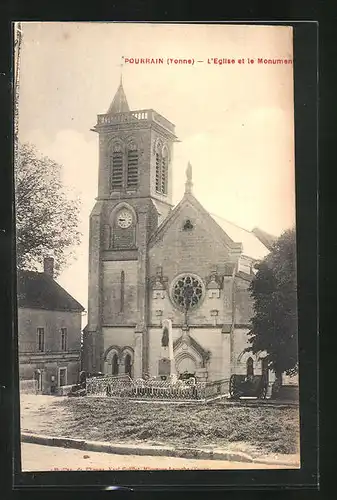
46,458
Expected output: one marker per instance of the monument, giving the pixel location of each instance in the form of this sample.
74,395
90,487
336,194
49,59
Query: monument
167,368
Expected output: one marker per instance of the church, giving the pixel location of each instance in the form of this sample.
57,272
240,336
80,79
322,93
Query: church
150,261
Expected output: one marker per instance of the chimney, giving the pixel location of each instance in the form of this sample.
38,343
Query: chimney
48,266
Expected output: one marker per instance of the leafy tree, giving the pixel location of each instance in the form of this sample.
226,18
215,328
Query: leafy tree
274,292
47,215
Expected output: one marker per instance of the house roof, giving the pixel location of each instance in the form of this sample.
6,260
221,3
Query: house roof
40,291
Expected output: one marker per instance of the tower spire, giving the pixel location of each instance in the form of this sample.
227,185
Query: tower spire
188,183
119,103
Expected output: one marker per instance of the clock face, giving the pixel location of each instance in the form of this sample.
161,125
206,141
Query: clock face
124,219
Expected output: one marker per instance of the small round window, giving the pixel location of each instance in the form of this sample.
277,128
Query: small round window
187,291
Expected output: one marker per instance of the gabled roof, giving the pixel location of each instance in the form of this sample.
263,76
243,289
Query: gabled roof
196,346
267,239
40,291
233,236
210,223
252,246
119,103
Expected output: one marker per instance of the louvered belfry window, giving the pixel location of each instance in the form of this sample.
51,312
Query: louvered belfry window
116,169
161,158
158,176
164,174
132,169
124,167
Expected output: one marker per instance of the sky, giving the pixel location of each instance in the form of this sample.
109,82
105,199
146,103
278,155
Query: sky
235,121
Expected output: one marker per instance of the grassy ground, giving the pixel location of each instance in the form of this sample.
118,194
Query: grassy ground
258,430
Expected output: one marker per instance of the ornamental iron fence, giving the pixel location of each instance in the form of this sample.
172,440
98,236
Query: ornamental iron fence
154,388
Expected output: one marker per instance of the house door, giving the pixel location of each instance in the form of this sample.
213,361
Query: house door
62,376
38,378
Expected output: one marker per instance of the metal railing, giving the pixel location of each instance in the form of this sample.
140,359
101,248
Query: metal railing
154,388
134,116
216,388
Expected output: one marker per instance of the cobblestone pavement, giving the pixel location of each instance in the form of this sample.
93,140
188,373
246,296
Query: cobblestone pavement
46,458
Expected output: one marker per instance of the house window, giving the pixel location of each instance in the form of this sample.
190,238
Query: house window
132,171
116,171
62,376
115,364
40,339
63,339
250,367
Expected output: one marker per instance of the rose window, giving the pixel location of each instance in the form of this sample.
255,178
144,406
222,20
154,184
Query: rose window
187,291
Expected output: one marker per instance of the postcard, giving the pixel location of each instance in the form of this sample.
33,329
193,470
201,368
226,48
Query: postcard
156,246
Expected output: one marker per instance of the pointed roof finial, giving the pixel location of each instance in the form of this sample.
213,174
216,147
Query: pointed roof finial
119,103
188,183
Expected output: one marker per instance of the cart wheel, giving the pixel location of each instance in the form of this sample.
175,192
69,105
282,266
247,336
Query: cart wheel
232,386
263,392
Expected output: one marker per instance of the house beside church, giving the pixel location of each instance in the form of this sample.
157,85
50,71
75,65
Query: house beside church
150,261
49,331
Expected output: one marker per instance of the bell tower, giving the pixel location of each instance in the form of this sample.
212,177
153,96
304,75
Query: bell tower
134,196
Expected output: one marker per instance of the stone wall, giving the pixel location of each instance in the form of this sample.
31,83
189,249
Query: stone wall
243,301
195,251
49,367
209,339
52,358
239,358
52,322
111,293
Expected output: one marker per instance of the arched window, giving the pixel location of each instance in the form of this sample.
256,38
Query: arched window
116,168
122,290
115,364
250,367
132,167
127,364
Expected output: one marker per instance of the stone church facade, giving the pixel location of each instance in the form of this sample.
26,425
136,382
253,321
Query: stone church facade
150,261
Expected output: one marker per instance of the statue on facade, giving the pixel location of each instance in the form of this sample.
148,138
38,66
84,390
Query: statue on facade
188,183
165,337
